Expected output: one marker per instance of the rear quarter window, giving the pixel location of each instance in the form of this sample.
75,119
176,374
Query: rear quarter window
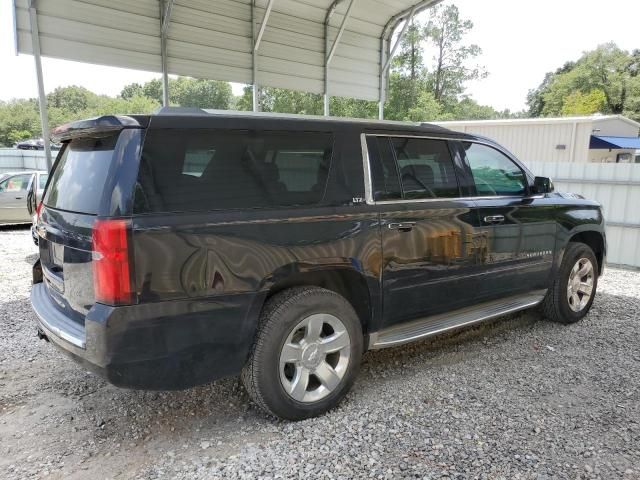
203,170
79,176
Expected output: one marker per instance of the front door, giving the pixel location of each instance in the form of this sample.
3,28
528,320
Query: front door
430,241
13,199
520,228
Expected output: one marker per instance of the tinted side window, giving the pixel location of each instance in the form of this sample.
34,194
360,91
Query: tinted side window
299,168
426,169
200,170
384,172
493,172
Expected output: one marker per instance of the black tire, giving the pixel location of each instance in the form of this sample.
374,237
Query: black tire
556,306
280,316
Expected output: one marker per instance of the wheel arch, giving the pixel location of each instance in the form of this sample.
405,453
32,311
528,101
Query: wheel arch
596,241
344,280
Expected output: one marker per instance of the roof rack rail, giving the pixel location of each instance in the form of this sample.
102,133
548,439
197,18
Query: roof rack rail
296,116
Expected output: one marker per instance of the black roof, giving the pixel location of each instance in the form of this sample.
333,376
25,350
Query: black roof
167,117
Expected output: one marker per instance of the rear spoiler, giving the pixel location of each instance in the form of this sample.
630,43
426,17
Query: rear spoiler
98,125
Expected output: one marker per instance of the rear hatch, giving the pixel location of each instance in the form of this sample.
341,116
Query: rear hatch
86,189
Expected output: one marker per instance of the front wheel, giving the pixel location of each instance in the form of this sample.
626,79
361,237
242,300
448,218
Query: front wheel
306,354
572,292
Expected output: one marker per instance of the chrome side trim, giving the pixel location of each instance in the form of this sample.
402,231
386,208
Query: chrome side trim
452,199
432,325
448,136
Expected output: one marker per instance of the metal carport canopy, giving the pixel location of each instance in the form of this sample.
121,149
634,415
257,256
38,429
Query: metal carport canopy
332,47
219,39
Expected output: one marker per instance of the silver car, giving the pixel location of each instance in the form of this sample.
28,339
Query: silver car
14,190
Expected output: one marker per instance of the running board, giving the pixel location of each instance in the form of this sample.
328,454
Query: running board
425,327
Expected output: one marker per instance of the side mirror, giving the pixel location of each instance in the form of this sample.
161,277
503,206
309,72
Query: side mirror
542,185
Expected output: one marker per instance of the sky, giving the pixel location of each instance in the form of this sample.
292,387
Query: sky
521,41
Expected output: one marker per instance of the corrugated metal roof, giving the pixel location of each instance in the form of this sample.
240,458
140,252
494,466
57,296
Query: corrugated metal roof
213,39
627,143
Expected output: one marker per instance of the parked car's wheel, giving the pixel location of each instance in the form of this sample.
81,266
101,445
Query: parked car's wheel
572,293
306,354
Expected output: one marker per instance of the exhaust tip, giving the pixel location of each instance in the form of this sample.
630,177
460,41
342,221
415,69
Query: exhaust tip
42,336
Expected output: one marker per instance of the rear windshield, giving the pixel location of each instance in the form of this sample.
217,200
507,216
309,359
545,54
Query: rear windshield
201,170
78,179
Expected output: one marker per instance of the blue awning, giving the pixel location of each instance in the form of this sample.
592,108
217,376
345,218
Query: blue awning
602,142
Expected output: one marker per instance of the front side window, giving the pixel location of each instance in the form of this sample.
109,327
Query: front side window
494,173
202,170
17,183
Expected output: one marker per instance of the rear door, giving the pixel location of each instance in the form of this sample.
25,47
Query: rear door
430,239
13,198
520,228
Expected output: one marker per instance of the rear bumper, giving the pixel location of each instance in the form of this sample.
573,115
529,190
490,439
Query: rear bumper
158,346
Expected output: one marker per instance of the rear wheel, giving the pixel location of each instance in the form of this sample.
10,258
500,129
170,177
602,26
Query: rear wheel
306,354
571,295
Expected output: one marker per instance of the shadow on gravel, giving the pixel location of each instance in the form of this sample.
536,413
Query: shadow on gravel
607,310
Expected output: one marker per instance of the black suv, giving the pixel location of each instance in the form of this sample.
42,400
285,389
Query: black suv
185,246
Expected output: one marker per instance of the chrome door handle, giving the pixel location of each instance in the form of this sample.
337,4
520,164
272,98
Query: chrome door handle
402,226
494,219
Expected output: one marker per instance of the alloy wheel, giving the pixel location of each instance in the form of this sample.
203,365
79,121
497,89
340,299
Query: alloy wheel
580,284
314,358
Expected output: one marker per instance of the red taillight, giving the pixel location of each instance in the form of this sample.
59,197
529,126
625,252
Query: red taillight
111,270
38,210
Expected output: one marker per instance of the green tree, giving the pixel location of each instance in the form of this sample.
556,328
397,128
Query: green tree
72,99
17,118
353,108
409,60
469,109
578,103
184,92
199,93
132,90
245,101
605,80
422,91
535,97
446,31
153,89
427,108
408,75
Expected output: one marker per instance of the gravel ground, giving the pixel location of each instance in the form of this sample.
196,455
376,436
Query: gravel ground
518,398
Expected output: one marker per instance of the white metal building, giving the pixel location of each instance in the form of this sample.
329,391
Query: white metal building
599,138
